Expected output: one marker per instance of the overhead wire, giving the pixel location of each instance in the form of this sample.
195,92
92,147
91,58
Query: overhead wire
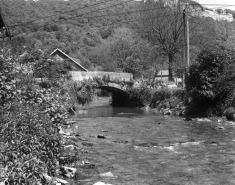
100,16
80,8
82,13
61,13
118,14
128,21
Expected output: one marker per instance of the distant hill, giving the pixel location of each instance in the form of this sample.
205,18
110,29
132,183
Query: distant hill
200,10
74,26
206,12
78,26
217,16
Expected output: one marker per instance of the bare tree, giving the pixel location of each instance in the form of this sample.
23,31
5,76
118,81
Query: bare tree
162,24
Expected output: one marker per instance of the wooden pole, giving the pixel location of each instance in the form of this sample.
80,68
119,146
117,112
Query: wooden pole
184,47
184,39
187,37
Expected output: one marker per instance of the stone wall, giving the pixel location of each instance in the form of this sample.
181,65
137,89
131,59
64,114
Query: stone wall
80,75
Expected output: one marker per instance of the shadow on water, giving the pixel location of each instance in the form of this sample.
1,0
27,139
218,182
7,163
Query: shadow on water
101,108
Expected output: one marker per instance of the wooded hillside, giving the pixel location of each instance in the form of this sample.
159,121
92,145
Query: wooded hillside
112,35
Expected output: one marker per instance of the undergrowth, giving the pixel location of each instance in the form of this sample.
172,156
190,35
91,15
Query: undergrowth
30,115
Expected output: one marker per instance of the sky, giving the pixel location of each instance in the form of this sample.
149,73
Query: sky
219,3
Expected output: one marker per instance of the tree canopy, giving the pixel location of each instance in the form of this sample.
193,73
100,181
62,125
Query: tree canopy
121,35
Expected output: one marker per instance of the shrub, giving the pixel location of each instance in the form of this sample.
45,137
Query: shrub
32,145
160,95
202,81
169,98
202,78
182,95
83,92
226,86
142,95
30,116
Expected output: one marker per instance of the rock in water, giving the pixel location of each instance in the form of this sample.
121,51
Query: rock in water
101,136
108,174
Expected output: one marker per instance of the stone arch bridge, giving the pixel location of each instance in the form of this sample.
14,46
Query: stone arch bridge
120,96
119,91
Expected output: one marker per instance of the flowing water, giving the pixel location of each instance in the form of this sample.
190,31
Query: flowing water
146,148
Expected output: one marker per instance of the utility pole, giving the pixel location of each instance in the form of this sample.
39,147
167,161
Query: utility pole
187,36
184,48
184,38
186,62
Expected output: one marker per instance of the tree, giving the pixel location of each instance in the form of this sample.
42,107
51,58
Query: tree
124,51
162,25
209,81
226,85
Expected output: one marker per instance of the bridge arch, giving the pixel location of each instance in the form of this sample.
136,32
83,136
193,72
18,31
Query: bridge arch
119,96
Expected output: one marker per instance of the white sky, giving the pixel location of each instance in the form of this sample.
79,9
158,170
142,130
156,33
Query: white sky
219,3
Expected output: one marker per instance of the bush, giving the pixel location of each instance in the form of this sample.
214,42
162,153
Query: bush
142,95
32,145
203,79
181,94
30,116
226,86
169,98
159,96
83,92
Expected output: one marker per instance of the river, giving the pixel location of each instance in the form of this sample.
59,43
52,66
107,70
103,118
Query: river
146,148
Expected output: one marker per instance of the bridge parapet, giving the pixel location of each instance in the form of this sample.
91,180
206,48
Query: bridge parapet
118,86
81,75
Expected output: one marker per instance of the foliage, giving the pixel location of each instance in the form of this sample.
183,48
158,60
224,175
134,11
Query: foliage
85,37
202,77
208,81
162,26
30,143
181,94
169,103
83,92
226,85
169,98
123,51
142,95
47,68
72,32
159,98
161,94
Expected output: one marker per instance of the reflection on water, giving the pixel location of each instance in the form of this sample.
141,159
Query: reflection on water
100,108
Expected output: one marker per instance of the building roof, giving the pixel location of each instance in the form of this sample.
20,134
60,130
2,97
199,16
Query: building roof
72,59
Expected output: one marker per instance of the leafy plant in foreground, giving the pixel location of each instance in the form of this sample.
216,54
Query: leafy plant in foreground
30,143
